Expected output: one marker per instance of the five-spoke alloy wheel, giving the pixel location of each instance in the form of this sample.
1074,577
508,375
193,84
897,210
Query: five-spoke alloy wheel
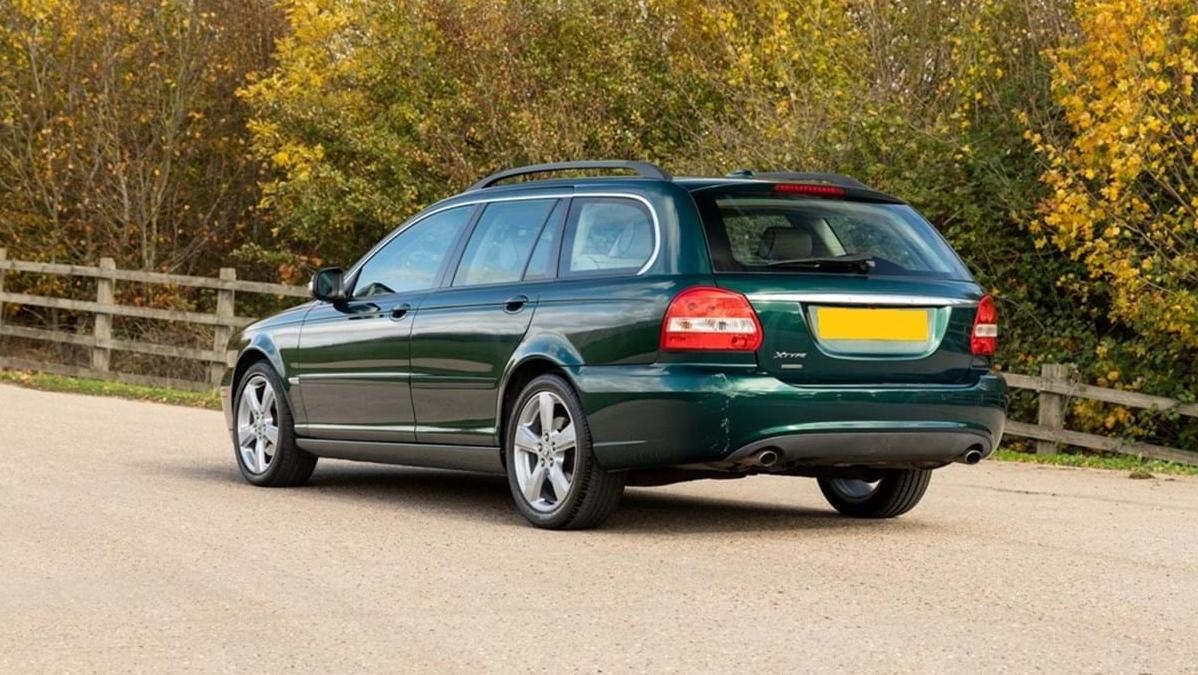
545,450
554,477
257,424
263,435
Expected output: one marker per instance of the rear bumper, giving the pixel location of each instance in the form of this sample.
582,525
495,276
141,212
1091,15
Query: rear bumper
672,415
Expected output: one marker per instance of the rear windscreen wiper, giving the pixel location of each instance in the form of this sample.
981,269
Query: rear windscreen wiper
859,262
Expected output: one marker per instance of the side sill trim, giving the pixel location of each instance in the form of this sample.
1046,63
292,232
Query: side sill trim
462,457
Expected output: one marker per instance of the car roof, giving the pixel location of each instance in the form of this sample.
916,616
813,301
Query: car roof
651,173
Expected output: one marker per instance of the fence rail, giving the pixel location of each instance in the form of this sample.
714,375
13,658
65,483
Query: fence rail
105,307
1055,385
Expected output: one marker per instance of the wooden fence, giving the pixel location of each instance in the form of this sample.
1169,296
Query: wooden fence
101,341
1055,384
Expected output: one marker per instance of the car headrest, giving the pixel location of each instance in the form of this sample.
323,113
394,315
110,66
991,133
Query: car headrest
784,243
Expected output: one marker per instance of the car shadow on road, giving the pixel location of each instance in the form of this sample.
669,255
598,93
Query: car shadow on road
485,499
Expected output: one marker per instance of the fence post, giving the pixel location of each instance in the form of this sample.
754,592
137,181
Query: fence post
221,334
102,328
1052,406
3,256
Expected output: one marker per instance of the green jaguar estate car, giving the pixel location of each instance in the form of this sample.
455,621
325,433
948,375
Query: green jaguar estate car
582,334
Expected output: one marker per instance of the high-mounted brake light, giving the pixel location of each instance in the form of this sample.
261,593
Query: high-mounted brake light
809,189
984,339
706,318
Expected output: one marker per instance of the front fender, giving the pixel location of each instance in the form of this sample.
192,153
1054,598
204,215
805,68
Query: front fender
275,340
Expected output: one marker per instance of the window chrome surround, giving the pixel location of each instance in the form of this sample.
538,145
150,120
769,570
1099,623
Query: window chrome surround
432,211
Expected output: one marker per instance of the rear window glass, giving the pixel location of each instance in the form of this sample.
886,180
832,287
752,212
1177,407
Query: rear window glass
783,233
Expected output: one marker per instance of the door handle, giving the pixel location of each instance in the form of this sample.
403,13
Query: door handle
515,304
400,311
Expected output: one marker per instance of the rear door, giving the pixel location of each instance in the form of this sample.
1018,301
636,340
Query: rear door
848,291
465,334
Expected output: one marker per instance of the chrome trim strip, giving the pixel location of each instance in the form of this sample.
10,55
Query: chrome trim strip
300,428
374,375
556,195
869,299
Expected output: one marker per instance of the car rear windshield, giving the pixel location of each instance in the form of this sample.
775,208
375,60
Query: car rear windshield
779,233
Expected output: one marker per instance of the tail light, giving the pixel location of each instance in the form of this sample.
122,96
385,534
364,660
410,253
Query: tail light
984,339
705,318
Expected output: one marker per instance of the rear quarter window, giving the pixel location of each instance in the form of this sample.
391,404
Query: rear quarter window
606,235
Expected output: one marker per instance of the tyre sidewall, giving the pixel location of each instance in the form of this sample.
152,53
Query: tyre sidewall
891,497
584,461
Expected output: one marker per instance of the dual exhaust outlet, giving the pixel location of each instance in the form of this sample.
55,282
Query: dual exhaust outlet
768,458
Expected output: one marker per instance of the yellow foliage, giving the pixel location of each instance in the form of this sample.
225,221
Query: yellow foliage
1122,167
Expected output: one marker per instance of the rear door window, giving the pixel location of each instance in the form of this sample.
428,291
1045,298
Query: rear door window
606,235
502,241
769,232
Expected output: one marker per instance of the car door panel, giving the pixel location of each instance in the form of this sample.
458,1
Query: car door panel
464,335
461,342
353,365
354,372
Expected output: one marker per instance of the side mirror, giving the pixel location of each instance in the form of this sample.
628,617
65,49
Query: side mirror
328,285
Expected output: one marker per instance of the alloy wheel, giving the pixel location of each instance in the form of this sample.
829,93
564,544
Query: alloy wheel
545,451
257,424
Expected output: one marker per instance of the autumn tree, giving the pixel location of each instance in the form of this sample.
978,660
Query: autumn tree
119,131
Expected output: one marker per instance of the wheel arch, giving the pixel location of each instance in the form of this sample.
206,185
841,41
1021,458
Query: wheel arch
518,375
246,359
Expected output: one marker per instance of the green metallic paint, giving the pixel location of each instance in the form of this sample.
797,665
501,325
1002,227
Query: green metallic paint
461,340
438,374
643,417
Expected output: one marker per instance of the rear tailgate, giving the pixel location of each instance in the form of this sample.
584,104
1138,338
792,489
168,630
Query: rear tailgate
851,286
859,330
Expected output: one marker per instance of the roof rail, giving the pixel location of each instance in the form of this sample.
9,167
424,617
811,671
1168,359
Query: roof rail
832,178
642,169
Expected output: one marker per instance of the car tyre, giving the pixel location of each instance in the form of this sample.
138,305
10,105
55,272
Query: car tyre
895,493
554,478
264,432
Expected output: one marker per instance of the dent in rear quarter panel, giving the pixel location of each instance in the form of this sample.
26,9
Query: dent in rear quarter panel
659,414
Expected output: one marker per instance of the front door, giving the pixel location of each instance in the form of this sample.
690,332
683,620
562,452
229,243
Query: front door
465,334
354,357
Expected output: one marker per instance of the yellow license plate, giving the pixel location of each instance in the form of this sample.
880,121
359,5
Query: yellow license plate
847,323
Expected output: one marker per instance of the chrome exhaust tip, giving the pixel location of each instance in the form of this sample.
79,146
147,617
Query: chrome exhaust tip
766,458
972,456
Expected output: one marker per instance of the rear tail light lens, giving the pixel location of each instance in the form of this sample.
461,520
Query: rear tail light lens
984,339
705,318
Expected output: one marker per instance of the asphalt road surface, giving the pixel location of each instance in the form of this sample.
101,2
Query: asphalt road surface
128,542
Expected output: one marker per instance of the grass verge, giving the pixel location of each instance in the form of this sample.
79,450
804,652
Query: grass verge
78,385
1138,468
